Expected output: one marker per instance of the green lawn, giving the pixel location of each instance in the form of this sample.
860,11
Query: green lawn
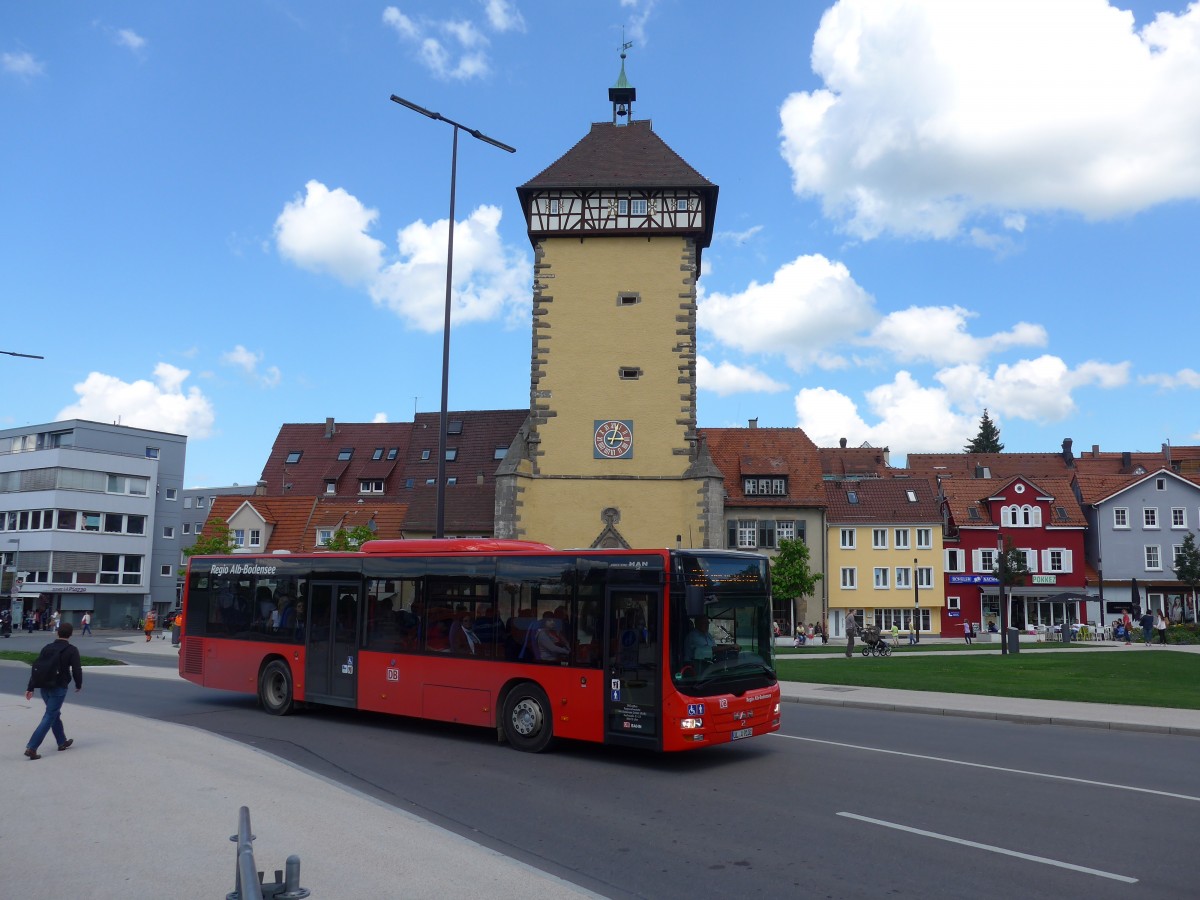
1150,678
27,657
926,647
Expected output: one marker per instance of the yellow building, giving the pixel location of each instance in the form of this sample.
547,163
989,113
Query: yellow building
884,554
610,455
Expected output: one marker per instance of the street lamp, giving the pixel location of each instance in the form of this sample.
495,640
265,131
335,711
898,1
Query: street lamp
12,585
916,603
440,527
1003,592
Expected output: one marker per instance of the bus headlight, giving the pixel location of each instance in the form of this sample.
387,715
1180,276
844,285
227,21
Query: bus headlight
776,709
691,724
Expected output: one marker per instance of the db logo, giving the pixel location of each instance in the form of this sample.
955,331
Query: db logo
393,674
723,703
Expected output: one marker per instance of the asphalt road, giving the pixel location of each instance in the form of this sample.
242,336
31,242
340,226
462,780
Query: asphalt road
843,803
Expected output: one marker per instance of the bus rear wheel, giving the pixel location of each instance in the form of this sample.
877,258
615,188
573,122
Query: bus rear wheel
527,722
275,688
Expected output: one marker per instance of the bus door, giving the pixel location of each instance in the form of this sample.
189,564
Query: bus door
633,659
332,658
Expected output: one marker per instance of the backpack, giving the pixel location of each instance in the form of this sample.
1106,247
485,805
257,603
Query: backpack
47,668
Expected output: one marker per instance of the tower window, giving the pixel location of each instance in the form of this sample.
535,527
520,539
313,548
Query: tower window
629,373
637,207
681,204
554,206
622,207
628,298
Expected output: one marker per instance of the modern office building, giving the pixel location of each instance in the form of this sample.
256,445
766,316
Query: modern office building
90,519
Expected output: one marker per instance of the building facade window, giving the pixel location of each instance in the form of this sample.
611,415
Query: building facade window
169,532
637,207
747,533
903,578
1149,517
900,538
1153,558
1178,517
848,538
924,577
255,537
924,538
172,494
785,530
849,578
954,561
1120,517
120,569
879,538
881,578
773,487
239,537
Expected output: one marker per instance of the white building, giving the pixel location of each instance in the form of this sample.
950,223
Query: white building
90,519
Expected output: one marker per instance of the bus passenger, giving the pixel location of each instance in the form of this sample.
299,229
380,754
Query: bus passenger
462,636
551,645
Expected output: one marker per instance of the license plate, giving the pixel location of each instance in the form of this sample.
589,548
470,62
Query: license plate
741,733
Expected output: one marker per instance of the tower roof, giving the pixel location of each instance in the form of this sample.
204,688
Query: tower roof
619,156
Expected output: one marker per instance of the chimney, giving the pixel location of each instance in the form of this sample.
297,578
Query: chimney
260,489
842,443
1095,451
479,477
1126,460
753,423
330,430
1067,455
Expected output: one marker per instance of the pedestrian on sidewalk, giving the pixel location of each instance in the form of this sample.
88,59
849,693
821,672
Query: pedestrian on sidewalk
87,623
968,632
895,634
1127,626
149,625
851,631
54,690
1147,623
1161,623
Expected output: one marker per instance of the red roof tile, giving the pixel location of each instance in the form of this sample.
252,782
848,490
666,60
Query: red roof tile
766,452
882,500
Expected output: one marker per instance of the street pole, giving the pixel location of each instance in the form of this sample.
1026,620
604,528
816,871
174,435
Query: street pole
916,604
440,526
1003,592
12,584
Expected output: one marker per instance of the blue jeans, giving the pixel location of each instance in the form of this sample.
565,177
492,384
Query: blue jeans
53,697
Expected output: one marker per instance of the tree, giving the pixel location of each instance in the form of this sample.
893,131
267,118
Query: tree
791,575
988,438
218,541
1011,570
349,541
1187,566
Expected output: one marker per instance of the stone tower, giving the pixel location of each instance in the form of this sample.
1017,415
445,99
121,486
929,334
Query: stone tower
609,455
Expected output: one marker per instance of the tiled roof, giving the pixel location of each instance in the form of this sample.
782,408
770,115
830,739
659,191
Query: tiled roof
963,496
618,156
766,452
882,500
839,463
294,520
999,465
319,448
1094,488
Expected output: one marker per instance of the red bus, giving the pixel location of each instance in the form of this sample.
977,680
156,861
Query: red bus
662,649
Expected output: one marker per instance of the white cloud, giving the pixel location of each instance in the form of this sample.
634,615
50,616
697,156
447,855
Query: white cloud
935,113
738,237
726,378
635,27
491,280
503,16
22,65
451,49
1039,390
938,334
247,360
1185,378
326,231
810,305
161,405
127,37
379,418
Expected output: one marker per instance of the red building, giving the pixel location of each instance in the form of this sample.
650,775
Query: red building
1042,519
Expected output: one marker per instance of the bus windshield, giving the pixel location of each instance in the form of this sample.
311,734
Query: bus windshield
721,634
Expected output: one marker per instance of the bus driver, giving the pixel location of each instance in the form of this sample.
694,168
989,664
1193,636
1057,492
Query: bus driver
699,643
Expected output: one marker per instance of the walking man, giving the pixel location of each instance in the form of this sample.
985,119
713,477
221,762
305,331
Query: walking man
64,665
851,631
968,632
87,623
1147,623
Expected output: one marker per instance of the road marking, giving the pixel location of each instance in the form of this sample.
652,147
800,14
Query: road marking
1086,870
975,765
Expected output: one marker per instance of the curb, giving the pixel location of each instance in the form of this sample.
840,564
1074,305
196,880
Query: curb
1020,718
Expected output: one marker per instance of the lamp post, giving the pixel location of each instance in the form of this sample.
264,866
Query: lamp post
1003,592
440,527
916,603
12,585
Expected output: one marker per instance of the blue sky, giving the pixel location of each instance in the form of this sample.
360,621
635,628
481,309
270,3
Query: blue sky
213,220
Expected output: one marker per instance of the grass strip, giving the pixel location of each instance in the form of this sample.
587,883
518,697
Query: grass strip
27,657
1135,678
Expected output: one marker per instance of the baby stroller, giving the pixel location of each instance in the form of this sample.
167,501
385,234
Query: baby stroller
873,642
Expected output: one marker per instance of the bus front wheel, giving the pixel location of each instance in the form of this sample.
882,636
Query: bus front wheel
275,688
527,722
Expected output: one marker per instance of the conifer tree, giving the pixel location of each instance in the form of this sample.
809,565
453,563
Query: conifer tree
988,438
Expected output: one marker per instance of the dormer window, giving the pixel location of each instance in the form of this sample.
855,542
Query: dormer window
293,457
764,487
345,453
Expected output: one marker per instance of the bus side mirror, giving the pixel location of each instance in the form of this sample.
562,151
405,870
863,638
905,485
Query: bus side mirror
693,600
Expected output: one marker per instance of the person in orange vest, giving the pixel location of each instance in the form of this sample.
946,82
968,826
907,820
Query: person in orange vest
149,626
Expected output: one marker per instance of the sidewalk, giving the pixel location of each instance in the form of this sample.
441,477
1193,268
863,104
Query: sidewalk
144,809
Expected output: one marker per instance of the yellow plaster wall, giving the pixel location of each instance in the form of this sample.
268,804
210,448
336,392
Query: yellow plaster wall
866,558
590,337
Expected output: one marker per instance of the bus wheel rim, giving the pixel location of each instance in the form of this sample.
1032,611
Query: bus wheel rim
527,717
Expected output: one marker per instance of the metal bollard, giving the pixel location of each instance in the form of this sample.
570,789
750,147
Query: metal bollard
248,881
